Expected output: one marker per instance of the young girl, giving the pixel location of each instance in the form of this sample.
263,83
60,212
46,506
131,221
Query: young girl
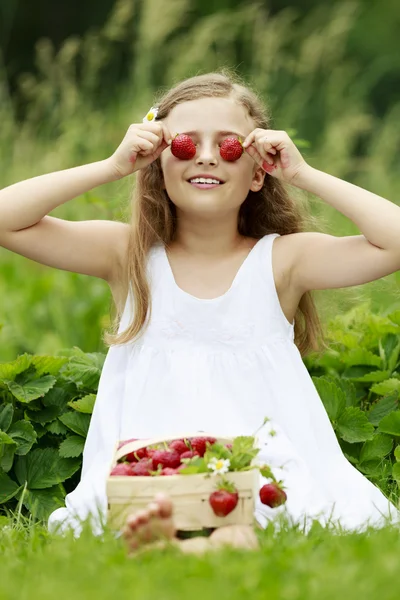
212,281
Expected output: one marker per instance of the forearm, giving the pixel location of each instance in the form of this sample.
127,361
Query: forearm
378,219
25,203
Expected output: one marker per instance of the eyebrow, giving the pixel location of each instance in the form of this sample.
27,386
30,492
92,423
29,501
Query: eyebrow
217,132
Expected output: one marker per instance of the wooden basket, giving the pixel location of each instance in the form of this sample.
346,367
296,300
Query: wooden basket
189,493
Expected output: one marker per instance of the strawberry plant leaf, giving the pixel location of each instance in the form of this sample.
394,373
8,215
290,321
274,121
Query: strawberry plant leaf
32,388
43,468
397,453
6,416
361,356
7,452
72,446
49,365
84,370
390,386
56,427
331,395
77,422
23,433
380,446
85,404
42,502
353,426
373,376
8,371
382,408
391,424
396,473
8,487
46,415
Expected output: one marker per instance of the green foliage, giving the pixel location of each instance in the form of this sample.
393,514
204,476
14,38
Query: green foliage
304,64
45,408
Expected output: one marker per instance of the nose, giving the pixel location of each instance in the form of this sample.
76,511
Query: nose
206,154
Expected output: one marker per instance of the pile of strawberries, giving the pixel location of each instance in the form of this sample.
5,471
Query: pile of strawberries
170,460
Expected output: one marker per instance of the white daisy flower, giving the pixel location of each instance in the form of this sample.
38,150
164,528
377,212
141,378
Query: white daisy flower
151,115
219,465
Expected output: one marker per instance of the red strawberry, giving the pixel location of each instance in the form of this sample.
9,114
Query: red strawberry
166,458
142,468
179,446
189,454
122,469
199,444
169,471
231,149
137,455
183,147
223,502
272,495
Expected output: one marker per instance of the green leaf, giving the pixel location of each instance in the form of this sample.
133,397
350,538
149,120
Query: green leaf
5,438
396,473
382,408
361,356
373,376
8,371
57,396
391,423
85,404
394,357
77,422
8,487
72,446
397,453
56,427
43,468
46,415
380,446
23,433
50,365
6,416
331,395
353,426
41,503
32,389
349,390
84,370
390,386
374,469
7,452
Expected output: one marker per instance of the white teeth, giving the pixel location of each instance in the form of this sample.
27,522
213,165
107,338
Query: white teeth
203,180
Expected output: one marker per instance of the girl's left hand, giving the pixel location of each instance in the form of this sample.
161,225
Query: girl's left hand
276,154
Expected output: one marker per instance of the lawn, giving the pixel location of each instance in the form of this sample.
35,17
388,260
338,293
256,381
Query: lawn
289,565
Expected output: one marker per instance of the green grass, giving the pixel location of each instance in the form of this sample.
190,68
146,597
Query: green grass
289,565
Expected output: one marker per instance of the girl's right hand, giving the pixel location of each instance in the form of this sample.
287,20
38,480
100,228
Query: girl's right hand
142,144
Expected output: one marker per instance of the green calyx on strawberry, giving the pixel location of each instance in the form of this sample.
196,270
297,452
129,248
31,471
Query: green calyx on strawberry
225,499
183,147
272,495
231,149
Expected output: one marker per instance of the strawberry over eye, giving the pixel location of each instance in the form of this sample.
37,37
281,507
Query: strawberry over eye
231,149
183,147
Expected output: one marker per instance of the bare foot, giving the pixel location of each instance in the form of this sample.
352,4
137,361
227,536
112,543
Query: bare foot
235,536
151,525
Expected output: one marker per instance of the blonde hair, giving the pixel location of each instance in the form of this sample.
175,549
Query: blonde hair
153,220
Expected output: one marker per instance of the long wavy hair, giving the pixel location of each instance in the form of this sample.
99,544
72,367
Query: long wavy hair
153,215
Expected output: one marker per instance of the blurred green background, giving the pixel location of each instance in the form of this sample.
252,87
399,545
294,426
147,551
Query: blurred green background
74,75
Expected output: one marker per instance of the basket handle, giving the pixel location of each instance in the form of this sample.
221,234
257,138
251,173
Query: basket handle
137,445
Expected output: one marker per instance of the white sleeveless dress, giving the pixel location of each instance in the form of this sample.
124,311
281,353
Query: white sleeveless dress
222,365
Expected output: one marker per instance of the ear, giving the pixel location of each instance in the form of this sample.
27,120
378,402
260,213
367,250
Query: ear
258,179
